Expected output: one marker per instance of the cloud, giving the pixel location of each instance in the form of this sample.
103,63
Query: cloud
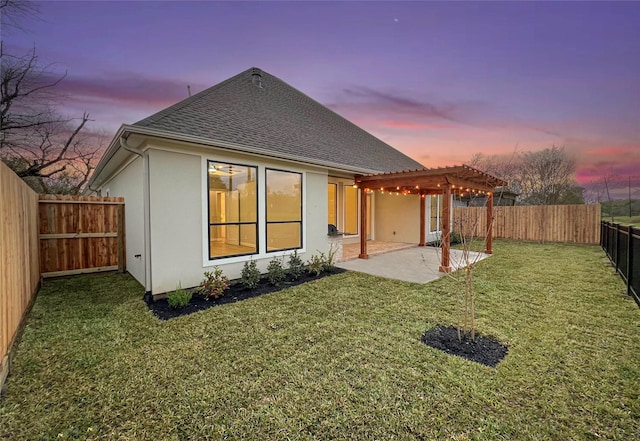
128,89
396,104
613,150
399,124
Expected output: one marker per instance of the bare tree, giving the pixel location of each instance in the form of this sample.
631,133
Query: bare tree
12,12
51,152
27,96
544,177
547,177
57,157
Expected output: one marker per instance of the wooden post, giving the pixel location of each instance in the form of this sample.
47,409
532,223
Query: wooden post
423,205
445,266
363,224
489,244
121,241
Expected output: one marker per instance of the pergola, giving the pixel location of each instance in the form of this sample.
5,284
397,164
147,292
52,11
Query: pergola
446,181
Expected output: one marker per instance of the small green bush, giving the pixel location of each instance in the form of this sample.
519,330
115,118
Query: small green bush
296,266
214,284
250,274
179,298
455,238
275,272
316,264
328,262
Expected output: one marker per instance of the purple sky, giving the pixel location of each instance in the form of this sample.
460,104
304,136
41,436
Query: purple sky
438,81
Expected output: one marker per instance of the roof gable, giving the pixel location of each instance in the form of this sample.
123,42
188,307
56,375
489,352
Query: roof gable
263,111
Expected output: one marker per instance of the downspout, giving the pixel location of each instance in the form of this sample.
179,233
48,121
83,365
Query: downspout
147,213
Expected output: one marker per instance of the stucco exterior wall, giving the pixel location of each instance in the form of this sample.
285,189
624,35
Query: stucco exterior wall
176,220
397,218
316,214
179,222
128,184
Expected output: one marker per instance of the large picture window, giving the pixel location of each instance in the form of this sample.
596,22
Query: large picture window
284,210
233,209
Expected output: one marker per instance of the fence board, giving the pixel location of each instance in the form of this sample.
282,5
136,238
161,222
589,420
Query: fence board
543,223
19,259
80,233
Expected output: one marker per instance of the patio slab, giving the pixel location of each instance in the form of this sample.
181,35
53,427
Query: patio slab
417,264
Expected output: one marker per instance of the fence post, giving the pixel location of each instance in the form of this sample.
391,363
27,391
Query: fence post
121,243
629,259
617,250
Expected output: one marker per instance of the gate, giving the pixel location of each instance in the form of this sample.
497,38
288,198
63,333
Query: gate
81,234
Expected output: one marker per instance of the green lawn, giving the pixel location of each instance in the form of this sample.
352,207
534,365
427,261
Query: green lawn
625,220
337,359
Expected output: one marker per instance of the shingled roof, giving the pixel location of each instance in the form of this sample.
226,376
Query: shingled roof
256,109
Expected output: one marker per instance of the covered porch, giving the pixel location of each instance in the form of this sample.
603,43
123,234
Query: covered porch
446,181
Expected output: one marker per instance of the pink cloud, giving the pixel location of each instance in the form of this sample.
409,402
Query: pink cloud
396,124
613,150
126,88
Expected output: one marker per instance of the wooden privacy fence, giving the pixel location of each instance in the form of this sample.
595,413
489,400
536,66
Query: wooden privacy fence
543,223
80,234
622,245
19,261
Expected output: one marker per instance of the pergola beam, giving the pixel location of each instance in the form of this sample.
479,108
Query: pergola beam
432,183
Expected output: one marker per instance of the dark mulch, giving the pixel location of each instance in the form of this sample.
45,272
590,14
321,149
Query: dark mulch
235,293
483,350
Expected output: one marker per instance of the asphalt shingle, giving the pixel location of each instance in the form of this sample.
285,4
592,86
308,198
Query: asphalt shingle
278,118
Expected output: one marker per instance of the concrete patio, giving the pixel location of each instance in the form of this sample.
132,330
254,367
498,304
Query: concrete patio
416,264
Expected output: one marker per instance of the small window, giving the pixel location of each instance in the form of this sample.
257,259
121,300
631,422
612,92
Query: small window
233,209
284,210
332,208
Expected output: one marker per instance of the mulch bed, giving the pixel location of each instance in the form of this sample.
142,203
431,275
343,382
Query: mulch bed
483,350
235,293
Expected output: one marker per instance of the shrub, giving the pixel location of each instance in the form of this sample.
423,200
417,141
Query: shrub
275,272
214,284
250,274
316,264
296,266
328,262
179,298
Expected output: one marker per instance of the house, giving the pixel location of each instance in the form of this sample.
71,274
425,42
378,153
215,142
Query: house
252,168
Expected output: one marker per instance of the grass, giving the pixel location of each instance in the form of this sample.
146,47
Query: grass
624,220
336,359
